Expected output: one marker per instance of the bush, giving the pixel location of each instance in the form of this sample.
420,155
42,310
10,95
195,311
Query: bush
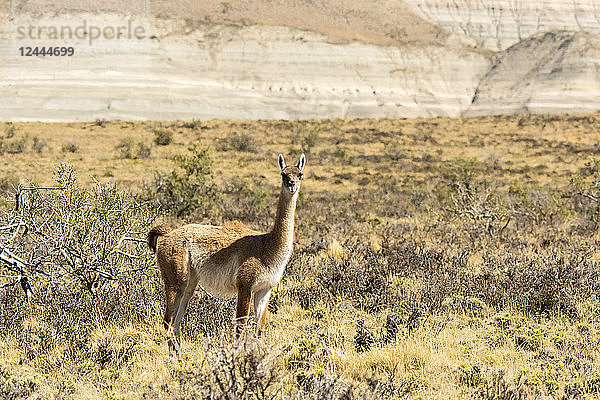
585,193
15,146
82,242
163,137
310,139
70,147
128,149
239,142
9,130
39,145
188,188
193,124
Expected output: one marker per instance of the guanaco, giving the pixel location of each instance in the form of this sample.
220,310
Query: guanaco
227,259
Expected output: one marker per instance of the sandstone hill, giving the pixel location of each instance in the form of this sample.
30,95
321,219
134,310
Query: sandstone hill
265,59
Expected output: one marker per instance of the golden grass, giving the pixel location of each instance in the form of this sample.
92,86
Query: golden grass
346,156
535,149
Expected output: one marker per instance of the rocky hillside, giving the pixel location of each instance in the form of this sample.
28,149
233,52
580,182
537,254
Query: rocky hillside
289,59
498,24
562,76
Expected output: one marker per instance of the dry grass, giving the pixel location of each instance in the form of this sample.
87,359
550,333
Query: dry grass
395,288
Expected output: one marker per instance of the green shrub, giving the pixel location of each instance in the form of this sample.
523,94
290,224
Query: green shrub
188,188
163,137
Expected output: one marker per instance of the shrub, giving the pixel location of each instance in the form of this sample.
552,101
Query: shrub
163,137
363,339
143,150
239,142
310,138
585,193
82,241
69,147
101,122
193,124
188,188
128,149
15,146
10,130
39,145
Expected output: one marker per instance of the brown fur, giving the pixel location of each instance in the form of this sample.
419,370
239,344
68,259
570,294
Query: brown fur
154,233
231,258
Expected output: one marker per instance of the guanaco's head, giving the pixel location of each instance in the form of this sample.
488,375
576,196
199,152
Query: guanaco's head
291,175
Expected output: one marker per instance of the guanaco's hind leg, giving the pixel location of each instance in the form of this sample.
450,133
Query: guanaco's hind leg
173,298
261,299
243,309
187,291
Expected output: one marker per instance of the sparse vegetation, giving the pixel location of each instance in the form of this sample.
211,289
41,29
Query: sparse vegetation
69,147
129,149
423,268
13,146
39,145
101,122
240,142
163,137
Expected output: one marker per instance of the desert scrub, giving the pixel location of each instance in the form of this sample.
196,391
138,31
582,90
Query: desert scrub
585,192
453,311
240,142
9,130
13,146
129,149
188,188
86,238
163,137
69,147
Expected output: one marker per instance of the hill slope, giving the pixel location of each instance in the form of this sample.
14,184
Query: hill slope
549,72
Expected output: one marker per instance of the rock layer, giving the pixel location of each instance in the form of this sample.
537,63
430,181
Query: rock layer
498,24
204,71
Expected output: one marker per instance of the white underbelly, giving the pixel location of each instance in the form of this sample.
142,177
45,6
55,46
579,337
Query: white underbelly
219,279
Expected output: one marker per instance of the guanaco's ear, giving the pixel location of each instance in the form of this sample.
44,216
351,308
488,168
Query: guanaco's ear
281,162
301,162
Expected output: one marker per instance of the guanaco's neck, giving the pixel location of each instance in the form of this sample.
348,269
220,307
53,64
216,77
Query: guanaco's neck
282,234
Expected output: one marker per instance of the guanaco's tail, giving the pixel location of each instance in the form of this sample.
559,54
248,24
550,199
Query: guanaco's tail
154,233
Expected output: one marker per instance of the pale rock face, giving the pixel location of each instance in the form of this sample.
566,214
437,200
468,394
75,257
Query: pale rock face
203,70
547,73
498,24
254,72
